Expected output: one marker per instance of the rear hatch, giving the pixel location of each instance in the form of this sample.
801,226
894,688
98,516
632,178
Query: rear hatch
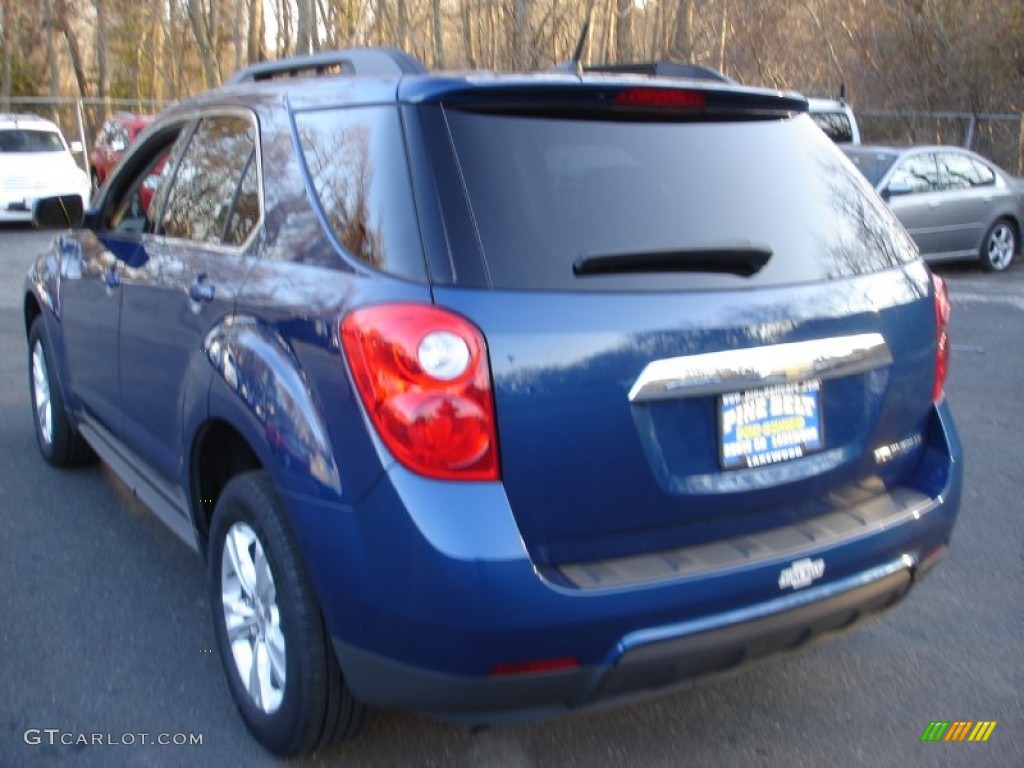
701,321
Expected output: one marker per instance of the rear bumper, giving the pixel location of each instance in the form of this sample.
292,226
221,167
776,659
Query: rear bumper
426,588
647,661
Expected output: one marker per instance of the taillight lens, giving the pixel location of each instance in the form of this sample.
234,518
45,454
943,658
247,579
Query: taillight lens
661,98
942,310
423,376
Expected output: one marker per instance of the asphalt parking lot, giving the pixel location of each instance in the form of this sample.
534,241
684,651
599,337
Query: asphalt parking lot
105,623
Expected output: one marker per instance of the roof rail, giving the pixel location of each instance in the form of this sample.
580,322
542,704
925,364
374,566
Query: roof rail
379,62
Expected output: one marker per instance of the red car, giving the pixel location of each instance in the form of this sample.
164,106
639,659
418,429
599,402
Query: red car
113,139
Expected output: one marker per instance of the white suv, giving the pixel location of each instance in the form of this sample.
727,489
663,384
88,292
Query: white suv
35,162
835,118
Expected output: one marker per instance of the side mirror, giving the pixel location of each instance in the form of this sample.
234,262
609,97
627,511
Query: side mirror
895,189
76,147
61,212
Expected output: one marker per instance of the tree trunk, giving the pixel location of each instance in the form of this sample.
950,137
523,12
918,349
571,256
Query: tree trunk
438,34
722,35
522,48
305,24
205,41
624,31
469,50
257,44
158,56
102,76
402,21
239,38
681,48
63,22
6,25
51,54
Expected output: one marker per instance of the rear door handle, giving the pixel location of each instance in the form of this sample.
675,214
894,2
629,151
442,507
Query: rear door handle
201,290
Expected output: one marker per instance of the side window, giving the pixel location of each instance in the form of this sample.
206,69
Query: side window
246,211
136,195
135,209
920,172
356,161
208,184
963,172
985,175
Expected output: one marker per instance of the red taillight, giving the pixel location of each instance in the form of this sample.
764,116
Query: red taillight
941,336
536,666
661,98
423,377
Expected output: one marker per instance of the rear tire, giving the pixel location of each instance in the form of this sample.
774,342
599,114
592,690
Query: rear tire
59,441
276,652
999,246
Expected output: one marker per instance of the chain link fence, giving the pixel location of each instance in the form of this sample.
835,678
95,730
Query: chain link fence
997,136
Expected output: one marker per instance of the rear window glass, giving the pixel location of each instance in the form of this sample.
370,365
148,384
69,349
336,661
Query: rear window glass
356,161
547,192
836,126
22,140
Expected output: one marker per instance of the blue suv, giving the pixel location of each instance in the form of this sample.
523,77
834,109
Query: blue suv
500,395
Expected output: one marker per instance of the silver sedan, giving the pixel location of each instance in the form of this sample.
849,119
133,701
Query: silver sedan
953,202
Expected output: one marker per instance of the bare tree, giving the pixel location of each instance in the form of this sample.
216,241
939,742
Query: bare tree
624,30
63,21
681,47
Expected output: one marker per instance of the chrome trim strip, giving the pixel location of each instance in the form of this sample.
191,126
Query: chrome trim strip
731,370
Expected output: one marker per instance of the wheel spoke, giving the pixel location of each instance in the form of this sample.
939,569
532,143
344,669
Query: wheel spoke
271,688
255,686
265,589
276,651
239,617
41,393
236,546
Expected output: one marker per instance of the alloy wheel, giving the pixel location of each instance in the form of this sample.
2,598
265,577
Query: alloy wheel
253,617
1001,245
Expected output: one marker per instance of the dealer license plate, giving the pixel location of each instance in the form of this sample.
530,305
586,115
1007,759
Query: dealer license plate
765,426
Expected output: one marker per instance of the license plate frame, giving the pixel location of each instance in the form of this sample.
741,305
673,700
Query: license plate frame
770,425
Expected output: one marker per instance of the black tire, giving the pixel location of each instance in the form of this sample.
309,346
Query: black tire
311,707
58,439
999,246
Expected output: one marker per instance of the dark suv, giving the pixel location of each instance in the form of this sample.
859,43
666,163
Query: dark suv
501,395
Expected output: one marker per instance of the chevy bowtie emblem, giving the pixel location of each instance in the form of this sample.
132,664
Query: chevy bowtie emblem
801,573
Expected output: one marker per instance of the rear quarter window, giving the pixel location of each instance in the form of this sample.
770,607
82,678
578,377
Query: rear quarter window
356,162
544,192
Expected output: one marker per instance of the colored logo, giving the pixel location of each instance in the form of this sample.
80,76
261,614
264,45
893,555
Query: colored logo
958,730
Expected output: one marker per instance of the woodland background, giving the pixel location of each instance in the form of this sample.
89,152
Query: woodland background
963,56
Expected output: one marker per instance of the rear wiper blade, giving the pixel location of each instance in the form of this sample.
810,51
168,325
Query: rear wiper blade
742,260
